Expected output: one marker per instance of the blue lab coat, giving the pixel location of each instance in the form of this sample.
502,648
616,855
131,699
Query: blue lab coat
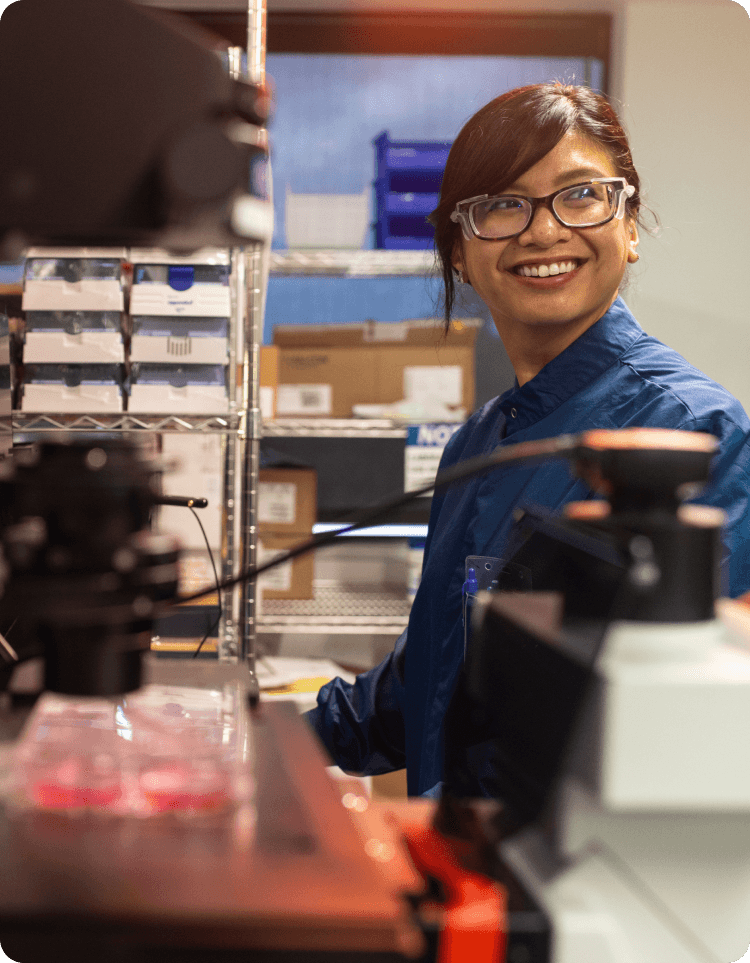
613,376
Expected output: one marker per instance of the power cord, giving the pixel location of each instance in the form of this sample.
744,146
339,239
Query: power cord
212,628
192,504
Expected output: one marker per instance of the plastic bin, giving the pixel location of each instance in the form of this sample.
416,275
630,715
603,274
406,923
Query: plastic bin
178,389
403,232
72,387
57,280
409,155
327,220
407,185
181,287
75,337
164,339
410,203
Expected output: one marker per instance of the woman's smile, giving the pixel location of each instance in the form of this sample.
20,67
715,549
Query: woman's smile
547,275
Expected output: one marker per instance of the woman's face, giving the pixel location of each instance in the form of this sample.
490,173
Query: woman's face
518,304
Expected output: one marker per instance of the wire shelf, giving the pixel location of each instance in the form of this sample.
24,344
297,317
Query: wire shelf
333,428
339,609
21,421
352,263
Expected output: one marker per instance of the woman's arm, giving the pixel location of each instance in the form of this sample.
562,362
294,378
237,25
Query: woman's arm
361,724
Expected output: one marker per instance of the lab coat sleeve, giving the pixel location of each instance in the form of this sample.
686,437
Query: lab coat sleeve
361,724
730,490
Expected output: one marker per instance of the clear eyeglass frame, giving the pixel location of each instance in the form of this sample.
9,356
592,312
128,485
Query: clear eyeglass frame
464,211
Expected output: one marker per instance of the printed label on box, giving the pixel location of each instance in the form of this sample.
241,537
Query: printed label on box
266,402
424,449
442,383
277,502
385,331
278,579
304,400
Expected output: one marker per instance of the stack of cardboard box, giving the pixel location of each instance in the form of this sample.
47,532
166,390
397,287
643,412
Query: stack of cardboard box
287,507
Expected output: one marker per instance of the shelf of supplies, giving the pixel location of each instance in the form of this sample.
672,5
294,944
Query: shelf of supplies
351,263
336,610
23,421
333,428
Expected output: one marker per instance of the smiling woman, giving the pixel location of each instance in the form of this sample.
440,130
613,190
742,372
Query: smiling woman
538,212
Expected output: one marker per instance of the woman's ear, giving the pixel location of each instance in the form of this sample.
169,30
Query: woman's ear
457,261
633,239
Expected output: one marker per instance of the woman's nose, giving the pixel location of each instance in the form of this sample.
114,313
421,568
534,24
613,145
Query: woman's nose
544,229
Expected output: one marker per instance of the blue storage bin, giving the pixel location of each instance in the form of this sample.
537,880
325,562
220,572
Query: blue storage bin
410,203
403,232
407,185
409,155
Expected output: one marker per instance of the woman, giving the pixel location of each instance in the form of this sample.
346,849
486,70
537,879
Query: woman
538,213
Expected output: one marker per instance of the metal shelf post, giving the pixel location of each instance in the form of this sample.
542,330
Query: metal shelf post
250,442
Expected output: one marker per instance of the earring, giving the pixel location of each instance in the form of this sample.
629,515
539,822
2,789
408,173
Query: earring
633,257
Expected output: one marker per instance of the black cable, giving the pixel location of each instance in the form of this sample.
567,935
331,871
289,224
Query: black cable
526,452
216,579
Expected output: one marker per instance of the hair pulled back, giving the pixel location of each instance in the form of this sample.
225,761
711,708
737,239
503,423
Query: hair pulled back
510,134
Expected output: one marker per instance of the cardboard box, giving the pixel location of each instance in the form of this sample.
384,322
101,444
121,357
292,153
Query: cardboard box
287,509
287,501
324,370
293,579
268,381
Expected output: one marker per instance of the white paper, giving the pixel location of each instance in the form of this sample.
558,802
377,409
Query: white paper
420,466
278,579
266,402
277,502
196,471
304,400
385,331
440,383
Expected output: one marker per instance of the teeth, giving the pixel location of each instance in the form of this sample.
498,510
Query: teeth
546,270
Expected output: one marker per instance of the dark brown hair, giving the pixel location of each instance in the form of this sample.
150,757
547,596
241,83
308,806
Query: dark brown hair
507,137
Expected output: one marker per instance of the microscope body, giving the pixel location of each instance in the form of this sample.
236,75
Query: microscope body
612,704
645,852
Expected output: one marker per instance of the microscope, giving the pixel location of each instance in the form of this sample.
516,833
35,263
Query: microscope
615,707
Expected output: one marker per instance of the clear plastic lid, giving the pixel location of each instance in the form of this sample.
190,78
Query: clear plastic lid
178,376
180,752
73,322
73,375
165,326
181,276
72,270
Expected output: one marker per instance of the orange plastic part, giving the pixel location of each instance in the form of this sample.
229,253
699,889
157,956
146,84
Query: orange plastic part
476,918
